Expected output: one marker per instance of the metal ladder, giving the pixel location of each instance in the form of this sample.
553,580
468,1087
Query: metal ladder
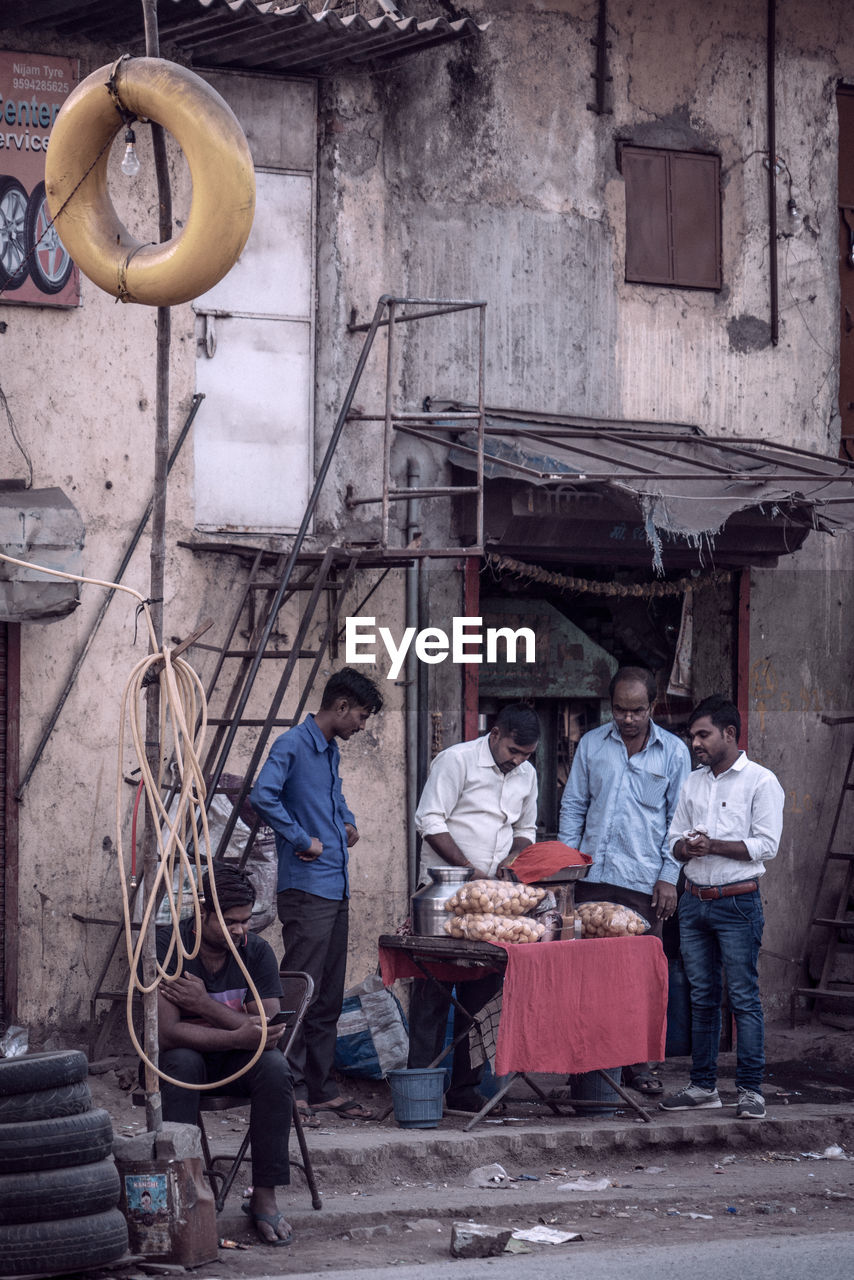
275,577
839,926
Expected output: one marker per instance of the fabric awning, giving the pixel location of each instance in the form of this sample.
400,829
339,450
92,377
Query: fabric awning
252,35
685,484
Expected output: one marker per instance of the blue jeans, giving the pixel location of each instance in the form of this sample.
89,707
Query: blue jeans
724,934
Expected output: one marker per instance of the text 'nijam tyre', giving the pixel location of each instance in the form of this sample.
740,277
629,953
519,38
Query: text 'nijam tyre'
68,1244
58,1193
55,1144
42,1070
45,1104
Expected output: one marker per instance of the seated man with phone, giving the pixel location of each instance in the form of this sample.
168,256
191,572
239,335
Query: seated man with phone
210,1027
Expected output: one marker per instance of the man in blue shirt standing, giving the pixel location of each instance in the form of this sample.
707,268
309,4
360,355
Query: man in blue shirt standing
617,806
298,792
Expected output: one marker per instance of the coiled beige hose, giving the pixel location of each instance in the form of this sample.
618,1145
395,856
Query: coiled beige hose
182,704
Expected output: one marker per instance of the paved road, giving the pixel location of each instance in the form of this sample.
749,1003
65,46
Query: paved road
779,1257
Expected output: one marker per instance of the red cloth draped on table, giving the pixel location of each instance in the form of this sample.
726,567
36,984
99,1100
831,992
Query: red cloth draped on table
577,1006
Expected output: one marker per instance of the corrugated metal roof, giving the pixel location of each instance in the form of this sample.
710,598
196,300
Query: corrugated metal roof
247,35
684,484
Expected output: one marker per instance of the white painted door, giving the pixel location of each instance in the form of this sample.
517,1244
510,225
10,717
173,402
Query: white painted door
254,364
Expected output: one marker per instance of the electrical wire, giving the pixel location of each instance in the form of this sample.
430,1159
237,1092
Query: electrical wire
182,706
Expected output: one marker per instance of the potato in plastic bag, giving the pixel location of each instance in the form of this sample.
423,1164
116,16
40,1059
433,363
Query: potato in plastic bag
609,920
498,897
488,927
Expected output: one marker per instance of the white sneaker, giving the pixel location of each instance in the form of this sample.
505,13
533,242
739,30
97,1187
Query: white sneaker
750,1105
691,1098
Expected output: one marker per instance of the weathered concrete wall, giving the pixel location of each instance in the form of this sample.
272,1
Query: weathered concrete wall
479,172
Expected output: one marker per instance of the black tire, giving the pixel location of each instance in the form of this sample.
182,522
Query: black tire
14,269
42,1070
46,1104
55,1144
50,265
59,1193
68,1244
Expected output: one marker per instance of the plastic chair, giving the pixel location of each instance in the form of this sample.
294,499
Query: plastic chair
297,990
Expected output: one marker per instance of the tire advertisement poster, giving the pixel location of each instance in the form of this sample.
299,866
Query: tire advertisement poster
34,266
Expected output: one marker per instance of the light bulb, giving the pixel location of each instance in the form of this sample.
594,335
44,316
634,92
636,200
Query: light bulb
130,160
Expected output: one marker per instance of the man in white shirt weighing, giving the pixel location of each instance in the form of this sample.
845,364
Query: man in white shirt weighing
727,825
478,807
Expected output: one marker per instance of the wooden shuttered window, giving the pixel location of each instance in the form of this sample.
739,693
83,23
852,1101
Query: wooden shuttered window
673,217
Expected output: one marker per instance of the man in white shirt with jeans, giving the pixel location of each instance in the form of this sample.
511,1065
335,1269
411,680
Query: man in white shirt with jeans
727,825
478,806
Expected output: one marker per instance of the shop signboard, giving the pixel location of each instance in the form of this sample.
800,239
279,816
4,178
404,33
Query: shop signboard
34,266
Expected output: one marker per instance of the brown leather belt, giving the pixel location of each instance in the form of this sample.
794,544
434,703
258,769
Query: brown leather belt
708,892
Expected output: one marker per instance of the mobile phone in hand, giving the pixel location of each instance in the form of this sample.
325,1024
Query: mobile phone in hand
277,1019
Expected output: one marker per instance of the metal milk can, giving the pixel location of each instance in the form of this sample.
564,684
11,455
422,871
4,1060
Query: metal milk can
428,903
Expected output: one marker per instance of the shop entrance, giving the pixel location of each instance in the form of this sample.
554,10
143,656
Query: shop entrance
684,633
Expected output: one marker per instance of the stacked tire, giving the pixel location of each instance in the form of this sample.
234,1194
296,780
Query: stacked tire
59,1186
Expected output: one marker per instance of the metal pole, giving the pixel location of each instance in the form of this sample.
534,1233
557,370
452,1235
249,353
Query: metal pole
387,427
771,57
153,750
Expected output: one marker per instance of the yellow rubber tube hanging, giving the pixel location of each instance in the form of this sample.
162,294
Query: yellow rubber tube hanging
220,163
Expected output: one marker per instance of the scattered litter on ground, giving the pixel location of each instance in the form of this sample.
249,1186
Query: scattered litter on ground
489,1175
545,1235
768,1206
776,1155
516,1246
367,1233
423,1224
231,1244
586,1184
731,1208
677,1213
651,1168
528,1177
829,1153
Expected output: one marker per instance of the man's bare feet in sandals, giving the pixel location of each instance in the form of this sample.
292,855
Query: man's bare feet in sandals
267,1219
346,1108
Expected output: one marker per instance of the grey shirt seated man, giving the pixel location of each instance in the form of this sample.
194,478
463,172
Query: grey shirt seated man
478,807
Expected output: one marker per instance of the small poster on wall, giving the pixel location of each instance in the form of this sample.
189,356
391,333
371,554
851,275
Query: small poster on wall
34,266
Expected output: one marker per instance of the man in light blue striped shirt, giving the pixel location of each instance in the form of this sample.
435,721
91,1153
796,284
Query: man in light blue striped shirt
617,805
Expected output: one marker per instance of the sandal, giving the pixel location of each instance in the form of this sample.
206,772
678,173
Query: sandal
348,1109
272,1220
308,1119
646,1082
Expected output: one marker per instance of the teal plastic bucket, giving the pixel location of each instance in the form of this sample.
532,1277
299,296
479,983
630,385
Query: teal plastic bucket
417,1096
590,1088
